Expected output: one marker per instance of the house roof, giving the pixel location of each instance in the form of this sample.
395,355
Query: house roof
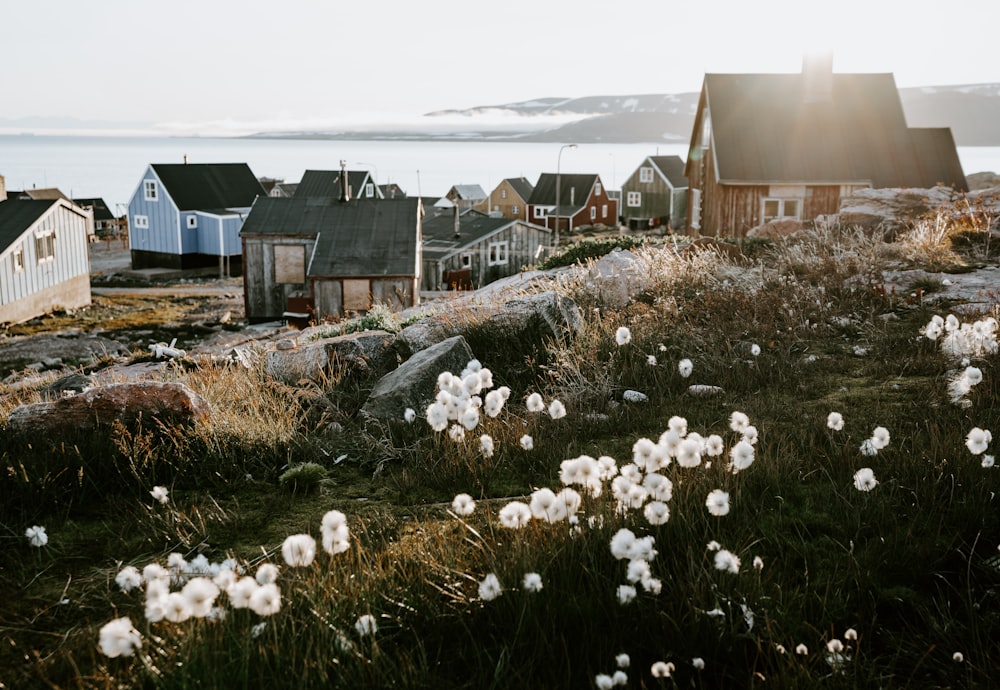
326,183
575,187
17,215
209,185
468,192
362,237
438,231
765,131
672,168
43,193
97,205
521,186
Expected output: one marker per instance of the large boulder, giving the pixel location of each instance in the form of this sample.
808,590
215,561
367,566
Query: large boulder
131,404
315,360
891,208
414,382
616,277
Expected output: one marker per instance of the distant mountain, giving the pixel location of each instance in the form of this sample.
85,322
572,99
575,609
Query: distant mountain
972,112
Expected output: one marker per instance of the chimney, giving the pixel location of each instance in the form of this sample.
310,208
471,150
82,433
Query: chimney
3,189
572,197
185,159
345,190
817,77
457,221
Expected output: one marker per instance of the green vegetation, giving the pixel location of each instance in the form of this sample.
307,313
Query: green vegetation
910,565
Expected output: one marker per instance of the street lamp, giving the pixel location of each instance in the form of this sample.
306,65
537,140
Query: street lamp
558,169
375,178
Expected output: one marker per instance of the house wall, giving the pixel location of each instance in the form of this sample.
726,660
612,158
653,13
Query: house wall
209,229
398,292
63,282
264,298
497,202
523,241
657,199
163,236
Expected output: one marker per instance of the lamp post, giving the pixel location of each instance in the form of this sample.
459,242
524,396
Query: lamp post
374,178
558,190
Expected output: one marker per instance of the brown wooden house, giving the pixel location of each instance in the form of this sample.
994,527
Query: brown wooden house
584,202
655,195
509,199
788,146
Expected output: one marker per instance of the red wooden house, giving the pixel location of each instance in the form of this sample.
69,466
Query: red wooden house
584,202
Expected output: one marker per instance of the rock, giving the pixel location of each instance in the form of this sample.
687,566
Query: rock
132,404
891,208
414,382
703,391
616,277
777,230
631,396
321,358
70,384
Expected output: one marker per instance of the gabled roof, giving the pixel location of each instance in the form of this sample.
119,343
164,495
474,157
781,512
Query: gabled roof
575,187
97,205
672,168
438,231
199,186
468,192
17,215
325,184
43,193
521,186
764,130
362,237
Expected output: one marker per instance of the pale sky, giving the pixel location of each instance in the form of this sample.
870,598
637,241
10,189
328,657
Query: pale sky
194,64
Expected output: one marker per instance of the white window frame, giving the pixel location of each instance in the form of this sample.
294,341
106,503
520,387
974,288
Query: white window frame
782,209
498,253
645,174
369,190
515,209
466,260
17,258
539,213
593,213
633,199
192,222
141,222
503,193
597,189
150,192
45,247
604,211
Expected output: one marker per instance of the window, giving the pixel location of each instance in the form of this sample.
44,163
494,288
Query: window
18,258
357,295
149,190
539,212
503,193
497,254
604,210
369,190
45,247
780,209
192,221
634,199
515,209
593,212
290,264
597,189
645,174
466,260
141,222
696,209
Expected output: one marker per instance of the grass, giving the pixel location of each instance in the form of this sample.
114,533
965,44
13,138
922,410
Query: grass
910,565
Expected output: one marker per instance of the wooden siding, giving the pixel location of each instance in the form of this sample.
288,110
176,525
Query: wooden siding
658,199
523,241
63,282
163,236
208,233
265,299
505,207
336,297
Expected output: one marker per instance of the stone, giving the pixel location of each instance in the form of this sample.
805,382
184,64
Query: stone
414,382
631,396
704,391
777,230
616,277
316,360
132,404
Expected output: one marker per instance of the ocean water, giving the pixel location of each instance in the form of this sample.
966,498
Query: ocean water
110,167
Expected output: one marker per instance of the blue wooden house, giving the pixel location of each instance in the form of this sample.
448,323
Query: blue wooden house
185,216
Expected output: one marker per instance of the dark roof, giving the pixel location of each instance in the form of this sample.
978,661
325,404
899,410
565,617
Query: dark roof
100,209
438,230
545,190
362,237
17,215
209,185
325,184
765,131
672,168
391,191
521,186
44,193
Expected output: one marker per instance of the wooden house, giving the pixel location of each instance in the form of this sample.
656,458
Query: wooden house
509,199
326,184
788,146
189,216
44,263
584,202
468,250
656,194
105,223
465,196
324,257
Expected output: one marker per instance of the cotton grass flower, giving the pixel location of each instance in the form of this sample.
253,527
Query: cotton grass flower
864,479
266,600
128,578
200,593
685,367
758,563
486,445
880,437
741,456
727,561
463,505
336,535
267,574
978,440
366,625
159,493
534,403
623,336
437,416
602,681
557,410
801,649
623,660
755,350
532,582
661,669
651,360
688,453
241,591
119,638
718,502
850,634
625,594
299,550
658,487
698,663
958,657
36,536
527,443
835,421
515,515
738,422
868,448
619,678
177,609
657,513
489,588
988,461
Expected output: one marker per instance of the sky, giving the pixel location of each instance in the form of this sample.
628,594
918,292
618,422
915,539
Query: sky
210,66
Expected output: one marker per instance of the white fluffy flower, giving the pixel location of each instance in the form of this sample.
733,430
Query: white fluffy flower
688,453
758,563
625,594
437,416
119,638
463,504
835,421
755,349
266,600
527,442
978,440
661,669
623,336
515,515
864,479
366,625
717,503
623,660
267,574
239,592
557,410
159,493
738,422
486,445
299,550
534,403
685,367
727,561
37,537
128,578
801,649
880,437
489,588
602,681
988,461
741,456
409,415
532,582
200,593
656,512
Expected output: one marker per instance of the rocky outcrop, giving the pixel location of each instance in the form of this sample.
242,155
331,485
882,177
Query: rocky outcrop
313,361
891,208
131,404
616,277
414,383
